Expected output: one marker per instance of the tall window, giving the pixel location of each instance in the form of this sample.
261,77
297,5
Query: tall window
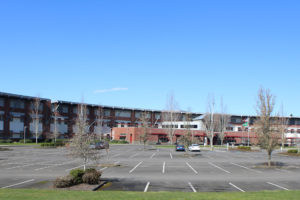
16,103
123,113
1,102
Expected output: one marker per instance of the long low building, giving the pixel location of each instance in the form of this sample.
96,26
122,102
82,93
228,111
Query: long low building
17,121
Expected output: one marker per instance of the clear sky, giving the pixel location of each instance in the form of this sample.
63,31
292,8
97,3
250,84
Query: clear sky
134,53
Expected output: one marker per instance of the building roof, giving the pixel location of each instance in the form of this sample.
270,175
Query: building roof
3,94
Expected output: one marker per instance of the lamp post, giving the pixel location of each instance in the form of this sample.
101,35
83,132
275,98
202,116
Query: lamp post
24,133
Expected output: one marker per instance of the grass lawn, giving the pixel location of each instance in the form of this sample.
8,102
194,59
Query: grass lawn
165,146
19,144
29,194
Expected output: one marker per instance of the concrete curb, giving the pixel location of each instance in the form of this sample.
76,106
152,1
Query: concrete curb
99,186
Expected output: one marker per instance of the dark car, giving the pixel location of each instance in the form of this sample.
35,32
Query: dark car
179,148
98,145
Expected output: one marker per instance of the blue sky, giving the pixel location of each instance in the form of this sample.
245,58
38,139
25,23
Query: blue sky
135,53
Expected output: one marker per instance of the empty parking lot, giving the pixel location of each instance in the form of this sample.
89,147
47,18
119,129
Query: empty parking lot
130,167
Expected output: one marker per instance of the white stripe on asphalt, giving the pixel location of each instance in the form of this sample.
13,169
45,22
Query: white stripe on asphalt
164,167
55,165
19,183
218,167
74,168
236,187
147,186
246,168
171,156
134,155
27,165
153,155
135,167
277,186
115,155
191,168
192,187
104,168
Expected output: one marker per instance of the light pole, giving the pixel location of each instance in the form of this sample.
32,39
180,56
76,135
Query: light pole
24,132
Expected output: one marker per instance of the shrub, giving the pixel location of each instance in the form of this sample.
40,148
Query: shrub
123,142
244,148
62,182
293,151
90,170
77,175
48,140
91,177
6,141
26,141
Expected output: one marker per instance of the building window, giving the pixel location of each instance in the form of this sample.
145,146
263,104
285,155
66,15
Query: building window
123,113
1,102
239,129
19,104
298,130
292,131
157,116
64,109
106,112
32,106
75,109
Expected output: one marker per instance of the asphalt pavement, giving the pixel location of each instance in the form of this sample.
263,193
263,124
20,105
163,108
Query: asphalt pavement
133,168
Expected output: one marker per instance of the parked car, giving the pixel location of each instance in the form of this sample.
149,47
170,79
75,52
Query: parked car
194,147
98,145
179,148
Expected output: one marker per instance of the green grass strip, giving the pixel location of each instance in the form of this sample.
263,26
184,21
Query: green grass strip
30,194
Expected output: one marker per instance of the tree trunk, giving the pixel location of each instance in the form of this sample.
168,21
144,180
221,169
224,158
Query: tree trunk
269,159
211,143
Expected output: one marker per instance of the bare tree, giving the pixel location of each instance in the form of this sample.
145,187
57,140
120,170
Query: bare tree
282,126
98,129
55,113
186,138
209,122
222,121
144,119
36,117
170,116
80,143
266,124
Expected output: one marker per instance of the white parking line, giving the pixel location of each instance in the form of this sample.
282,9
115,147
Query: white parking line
277,186
55,165
164,167
283,170
192,187
236,187
171,155
27,165
19,183
192,168
147,186
104,168
135,167
246,168
153,155
134,155
115,155
74,168
218,167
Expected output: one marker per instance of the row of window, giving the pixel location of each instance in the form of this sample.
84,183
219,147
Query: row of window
181,126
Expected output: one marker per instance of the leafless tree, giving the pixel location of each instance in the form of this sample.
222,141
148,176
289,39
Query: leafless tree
282,126
98,129
266,124
222,120
36,117
170,116
186,138
55,113
80,143
209,122
144,119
